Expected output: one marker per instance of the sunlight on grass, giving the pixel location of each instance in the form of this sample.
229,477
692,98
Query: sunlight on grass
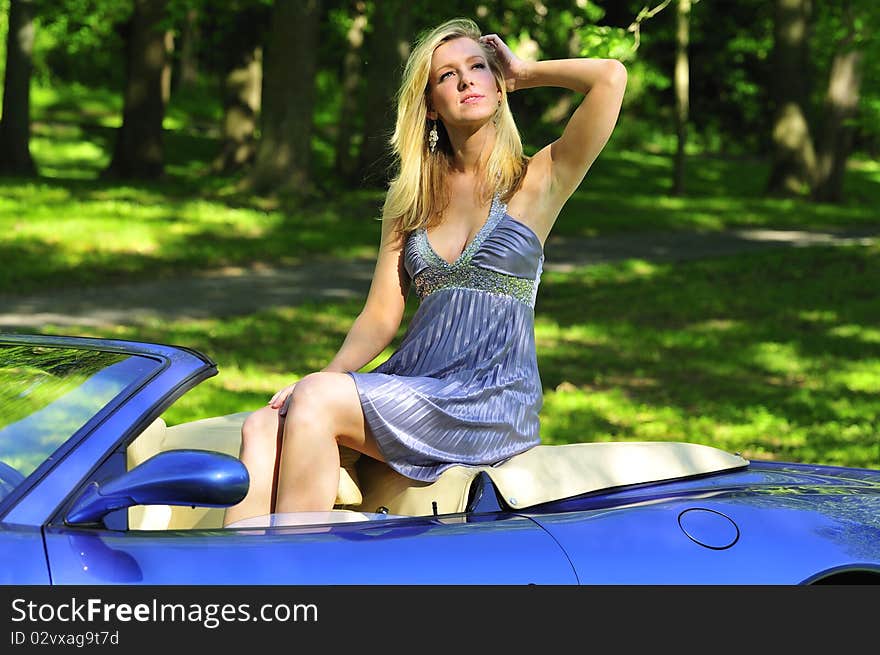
869,166
70,102
786,369
692,352
778,358
79,229
860,332
77,234
54,155
775,355
863,376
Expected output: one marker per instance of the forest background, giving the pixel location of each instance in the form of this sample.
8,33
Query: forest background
151,139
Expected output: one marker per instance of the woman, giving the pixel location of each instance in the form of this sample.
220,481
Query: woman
463,388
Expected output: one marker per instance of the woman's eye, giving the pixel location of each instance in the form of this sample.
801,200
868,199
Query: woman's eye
448,73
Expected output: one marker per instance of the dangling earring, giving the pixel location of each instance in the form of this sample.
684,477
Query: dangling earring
497,114
433,136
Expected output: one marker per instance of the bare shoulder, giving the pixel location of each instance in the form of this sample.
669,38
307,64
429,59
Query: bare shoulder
535,203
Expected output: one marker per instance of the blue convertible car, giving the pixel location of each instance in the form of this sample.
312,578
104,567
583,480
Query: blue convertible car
95,488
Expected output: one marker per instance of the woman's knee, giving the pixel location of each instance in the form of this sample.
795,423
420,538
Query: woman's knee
311,388
333,394
310,407
260,428
310,396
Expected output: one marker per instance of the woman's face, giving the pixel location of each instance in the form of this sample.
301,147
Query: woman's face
462,88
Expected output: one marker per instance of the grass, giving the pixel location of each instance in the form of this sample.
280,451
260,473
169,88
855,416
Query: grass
70,228
704,352
710,352
775,355
79,232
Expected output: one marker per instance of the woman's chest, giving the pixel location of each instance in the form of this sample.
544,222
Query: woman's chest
461,221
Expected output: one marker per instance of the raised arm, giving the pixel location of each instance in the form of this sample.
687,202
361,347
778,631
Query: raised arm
602,81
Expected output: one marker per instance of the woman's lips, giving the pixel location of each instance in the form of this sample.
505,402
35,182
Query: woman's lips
471,100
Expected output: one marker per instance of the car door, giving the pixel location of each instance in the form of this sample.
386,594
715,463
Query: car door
455,549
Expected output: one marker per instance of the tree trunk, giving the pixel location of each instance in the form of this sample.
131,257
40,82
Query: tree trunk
793,159
351,78
241,103
682,92
166,69
387,50
284,151
189,41
138,153
15,124
841,104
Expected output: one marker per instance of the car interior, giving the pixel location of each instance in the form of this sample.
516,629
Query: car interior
541,475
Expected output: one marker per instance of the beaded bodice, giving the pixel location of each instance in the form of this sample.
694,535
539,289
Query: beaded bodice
504,258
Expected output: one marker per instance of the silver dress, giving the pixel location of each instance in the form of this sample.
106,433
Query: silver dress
463,387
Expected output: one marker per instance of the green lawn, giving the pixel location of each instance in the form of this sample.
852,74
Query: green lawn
775,355
705,352
70,228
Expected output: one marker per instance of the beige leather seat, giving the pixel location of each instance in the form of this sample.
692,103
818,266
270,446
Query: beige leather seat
540,475
543,474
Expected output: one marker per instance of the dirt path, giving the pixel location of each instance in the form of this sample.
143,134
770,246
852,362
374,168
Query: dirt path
235,292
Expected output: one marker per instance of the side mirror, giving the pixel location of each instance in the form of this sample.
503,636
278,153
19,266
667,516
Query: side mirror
175,477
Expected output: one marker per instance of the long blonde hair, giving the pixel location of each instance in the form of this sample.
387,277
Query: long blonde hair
418,192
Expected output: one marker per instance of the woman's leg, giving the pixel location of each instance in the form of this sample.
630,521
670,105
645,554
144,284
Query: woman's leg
325,411
258,439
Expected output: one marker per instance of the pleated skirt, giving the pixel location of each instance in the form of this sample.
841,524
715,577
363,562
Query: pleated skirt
463,388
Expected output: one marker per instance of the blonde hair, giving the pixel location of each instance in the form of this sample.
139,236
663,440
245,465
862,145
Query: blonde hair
418,193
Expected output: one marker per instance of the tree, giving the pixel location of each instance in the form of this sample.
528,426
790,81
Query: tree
387,48
351,78
290,63
188,73
793,155
682,80
139,152
15,124
840,107
238,34
798,162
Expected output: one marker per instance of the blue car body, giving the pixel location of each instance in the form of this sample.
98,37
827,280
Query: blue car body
765,523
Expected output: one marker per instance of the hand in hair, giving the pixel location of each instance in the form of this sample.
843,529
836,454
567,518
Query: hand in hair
514,68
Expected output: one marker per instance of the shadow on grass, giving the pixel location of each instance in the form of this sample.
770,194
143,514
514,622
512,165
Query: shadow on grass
80,232
629,191
775,355
102,230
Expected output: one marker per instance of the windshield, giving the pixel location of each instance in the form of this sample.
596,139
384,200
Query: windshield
47,394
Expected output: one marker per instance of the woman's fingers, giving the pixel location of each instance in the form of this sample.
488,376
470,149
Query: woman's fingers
509,62
494,41
279,398
491,40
